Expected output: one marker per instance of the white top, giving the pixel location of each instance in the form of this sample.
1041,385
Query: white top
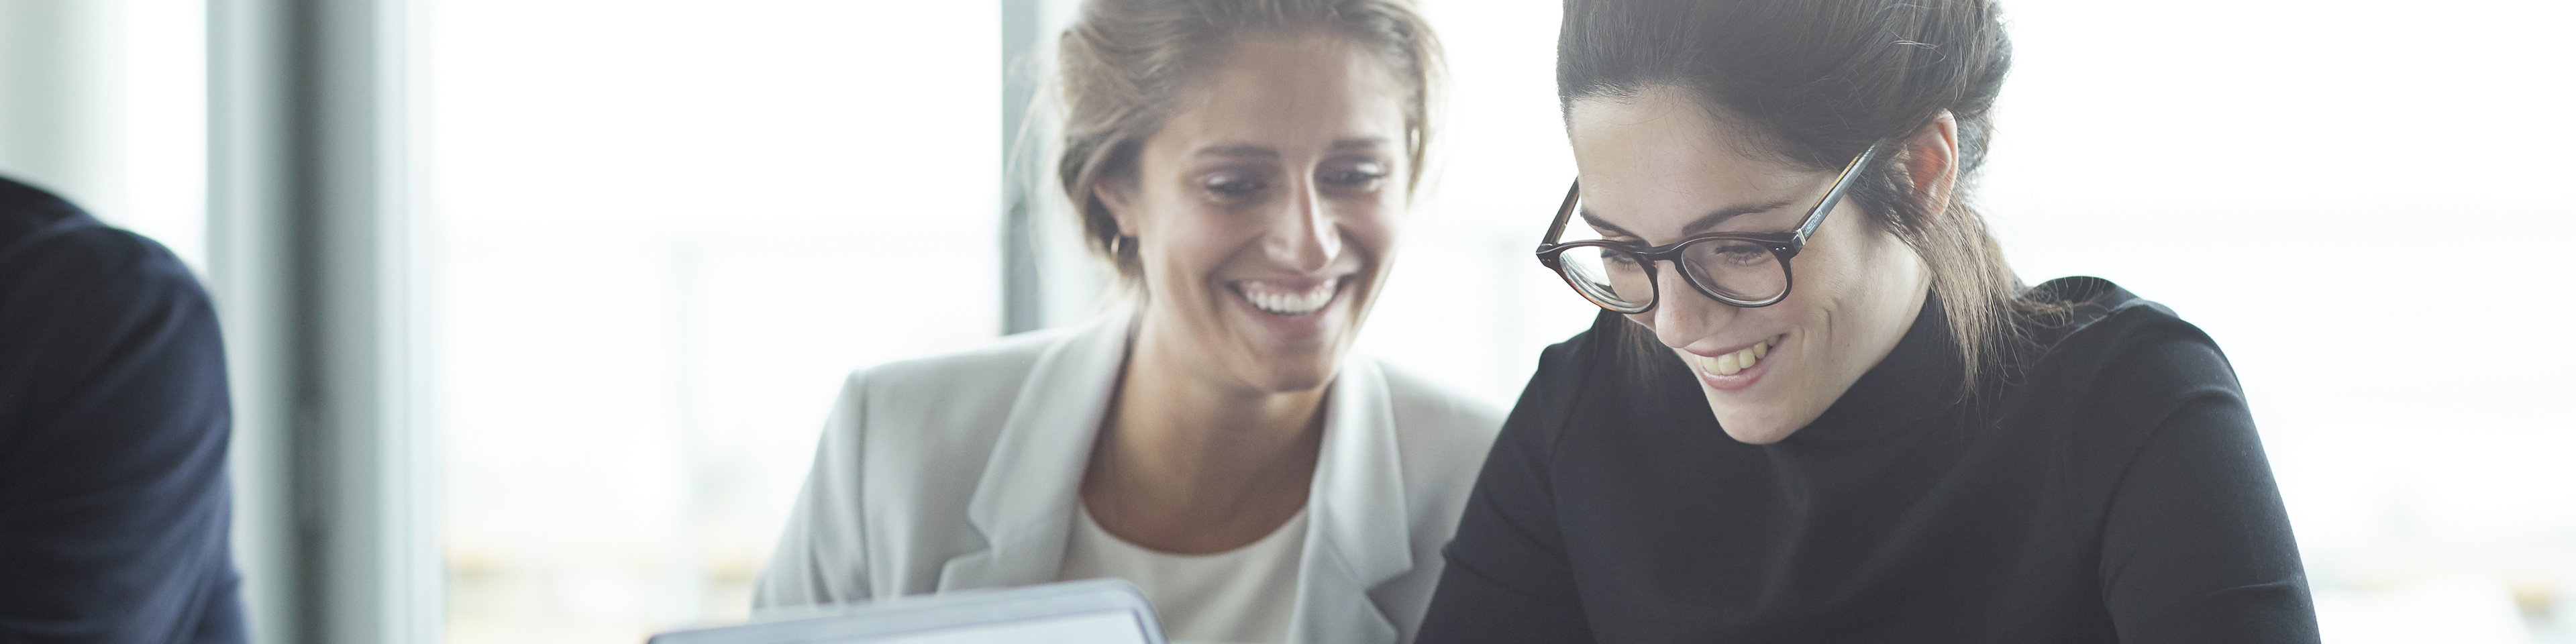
1236,596
960,471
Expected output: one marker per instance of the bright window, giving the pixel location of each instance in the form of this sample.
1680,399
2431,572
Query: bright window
106,107
660,234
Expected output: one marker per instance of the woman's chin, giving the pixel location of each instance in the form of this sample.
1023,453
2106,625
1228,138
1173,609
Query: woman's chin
1756,435
1285,372
1296,353
1285,365
1748,426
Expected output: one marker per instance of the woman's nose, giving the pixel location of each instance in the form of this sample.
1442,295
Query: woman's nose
1302,235
1682,315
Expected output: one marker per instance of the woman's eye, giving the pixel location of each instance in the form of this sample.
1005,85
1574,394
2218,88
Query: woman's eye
1234,185
1355,175
1742,254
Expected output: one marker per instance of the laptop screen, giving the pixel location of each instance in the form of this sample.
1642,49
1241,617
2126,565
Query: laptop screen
1096,611
1098,627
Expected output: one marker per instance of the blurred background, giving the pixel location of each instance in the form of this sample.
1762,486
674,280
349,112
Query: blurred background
536,306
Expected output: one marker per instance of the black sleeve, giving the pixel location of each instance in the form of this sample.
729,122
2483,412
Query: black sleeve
1508,579
2196,544
114,422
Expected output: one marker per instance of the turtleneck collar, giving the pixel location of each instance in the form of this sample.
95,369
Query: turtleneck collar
1916,382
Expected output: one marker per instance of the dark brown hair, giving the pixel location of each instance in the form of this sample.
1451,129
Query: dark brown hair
1817,81
1124,61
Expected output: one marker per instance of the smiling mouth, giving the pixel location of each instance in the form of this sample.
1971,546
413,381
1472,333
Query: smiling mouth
1740,360
1276,301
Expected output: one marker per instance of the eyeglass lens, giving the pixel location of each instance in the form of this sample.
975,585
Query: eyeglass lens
1737,269
1610,277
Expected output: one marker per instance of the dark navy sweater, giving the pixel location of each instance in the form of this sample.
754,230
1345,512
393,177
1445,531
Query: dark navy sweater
114,420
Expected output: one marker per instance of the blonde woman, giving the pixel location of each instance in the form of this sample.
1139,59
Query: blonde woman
1246,166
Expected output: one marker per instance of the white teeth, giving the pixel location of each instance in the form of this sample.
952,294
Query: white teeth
1290,303
1733,363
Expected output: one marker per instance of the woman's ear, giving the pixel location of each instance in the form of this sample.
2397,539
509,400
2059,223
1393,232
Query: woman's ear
1119,197
1932,162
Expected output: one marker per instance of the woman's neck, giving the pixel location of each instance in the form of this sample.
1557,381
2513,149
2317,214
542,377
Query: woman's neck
1191,461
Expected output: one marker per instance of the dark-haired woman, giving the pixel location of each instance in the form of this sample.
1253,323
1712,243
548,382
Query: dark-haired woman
1246,167
1818,407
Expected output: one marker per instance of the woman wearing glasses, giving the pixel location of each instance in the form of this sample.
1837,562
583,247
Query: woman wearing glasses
1245,166
1818,407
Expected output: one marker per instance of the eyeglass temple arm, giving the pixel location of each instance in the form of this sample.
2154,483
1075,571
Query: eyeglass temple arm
1556,231
1842,184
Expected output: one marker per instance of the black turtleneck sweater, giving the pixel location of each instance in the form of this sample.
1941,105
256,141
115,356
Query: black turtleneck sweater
2113,490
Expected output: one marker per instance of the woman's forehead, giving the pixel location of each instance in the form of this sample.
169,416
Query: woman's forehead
1307,93
1656,164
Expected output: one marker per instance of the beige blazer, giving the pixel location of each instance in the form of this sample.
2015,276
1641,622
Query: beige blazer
960,471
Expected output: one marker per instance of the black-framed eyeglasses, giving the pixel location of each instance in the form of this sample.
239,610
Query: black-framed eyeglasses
1739,269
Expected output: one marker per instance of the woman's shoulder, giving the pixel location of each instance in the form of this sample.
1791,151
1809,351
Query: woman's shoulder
1429,410
2067,307
1016,354
1441,435
1441,438
2089,324
1607,349
952,394
2116,365
1614,369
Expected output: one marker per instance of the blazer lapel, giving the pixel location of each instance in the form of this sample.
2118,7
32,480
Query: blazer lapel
1358,534
1023,504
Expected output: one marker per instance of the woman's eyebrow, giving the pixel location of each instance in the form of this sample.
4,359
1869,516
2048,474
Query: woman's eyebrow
1697,226
1359,143
1711,220
1605,227
1237,151
1258,151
